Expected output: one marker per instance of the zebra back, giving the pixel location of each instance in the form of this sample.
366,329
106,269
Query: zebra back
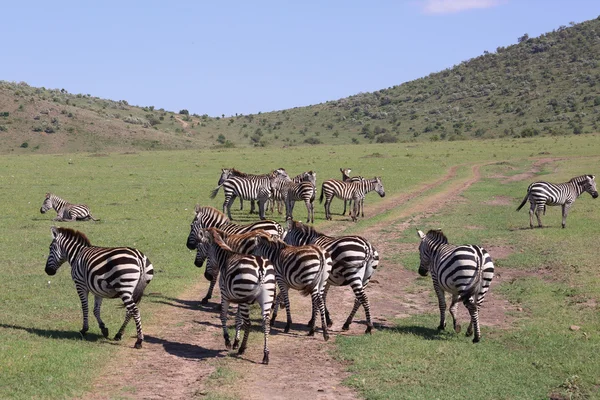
243,243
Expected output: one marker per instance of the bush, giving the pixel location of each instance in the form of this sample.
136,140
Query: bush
313,140
184,112
387,138
24,145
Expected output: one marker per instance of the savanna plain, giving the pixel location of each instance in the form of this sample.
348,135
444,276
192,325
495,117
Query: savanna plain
541,322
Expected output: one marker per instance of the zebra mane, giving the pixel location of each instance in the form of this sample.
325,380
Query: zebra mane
217,239
210,210
437,235
236,172
306,229
73,234
582,178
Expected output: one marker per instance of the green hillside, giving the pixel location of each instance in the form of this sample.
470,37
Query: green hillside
547,85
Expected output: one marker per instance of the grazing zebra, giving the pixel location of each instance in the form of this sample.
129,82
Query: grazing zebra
464,271
209,217
347,178
243,279
304,190
107,272
303,268
542,194
354,261
355,191
248,188
66,211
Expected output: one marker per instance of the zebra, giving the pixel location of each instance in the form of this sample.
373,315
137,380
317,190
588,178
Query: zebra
349,191
210,217
279,189
225,174
464,271
302,190
107,272
243,279
542,194
303,268
347,178
253,187
66,211
354,260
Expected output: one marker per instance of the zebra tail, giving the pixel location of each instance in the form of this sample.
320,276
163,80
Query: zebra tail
321,197
317,279
138,291
524,201
94,219
213,194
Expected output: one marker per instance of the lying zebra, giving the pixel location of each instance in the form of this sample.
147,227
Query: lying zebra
66,211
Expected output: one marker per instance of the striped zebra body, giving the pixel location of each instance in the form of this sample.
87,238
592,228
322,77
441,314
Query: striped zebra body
542,194
303,268
347,178
465,272
66,211
355,191
281,185
209,217
301,191
354,260
106,272
248,188
228,172
244,279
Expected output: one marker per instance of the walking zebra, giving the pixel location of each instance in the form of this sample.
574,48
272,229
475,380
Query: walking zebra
354,260
464,271
542,194
107,272
66,211
347,178
248,188
303,268
209,217
244,279
355,191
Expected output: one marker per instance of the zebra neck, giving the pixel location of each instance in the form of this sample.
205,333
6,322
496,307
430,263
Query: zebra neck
74,251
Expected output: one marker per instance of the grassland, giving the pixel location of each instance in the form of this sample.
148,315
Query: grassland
146,200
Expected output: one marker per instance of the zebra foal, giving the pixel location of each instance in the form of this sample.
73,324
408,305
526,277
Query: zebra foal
106,272
465,272
66,211
243,279
542,194
355,191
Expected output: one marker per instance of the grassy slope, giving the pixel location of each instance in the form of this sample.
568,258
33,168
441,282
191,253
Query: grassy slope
545,85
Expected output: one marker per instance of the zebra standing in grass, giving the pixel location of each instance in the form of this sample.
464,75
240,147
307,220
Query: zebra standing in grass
66,211
243,279
355,191
248,188
542,194
304,190
464,271
347,178
107,272
209,217
354,261
303,268
228,172
279,187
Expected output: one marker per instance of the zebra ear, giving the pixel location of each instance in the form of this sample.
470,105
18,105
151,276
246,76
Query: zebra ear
290,223
54,231
197,208
421,234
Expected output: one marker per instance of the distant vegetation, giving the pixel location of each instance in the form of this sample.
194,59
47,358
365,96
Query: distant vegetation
547,85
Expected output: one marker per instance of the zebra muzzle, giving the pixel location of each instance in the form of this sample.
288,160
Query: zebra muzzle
423,271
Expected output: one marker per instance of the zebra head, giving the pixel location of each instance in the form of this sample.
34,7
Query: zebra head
267,246
590,186
194,227
298,234
225,174
47,204
428,246
204,241
65,242
345,173
379,187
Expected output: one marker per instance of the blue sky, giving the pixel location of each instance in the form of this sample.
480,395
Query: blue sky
227,57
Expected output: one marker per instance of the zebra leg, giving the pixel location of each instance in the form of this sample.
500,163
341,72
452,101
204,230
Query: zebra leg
97,305
474,325
261,208
453,308
211,287
344,212
224,309
361,298
362,207
227,205
442,306
266,330
238,326
354,212
308,208
276,306
327,318
83,296
132,311
532,209
565,212
283,291
241,204
317,301
244,310
252,207
327,206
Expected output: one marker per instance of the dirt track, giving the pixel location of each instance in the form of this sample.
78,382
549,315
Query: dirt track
187,347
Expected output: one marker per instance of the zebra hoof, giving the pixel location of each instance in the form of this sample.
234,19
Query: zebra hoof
138,344
286,329
311,333
204,300
441,327
329,323
272,322
368,330
227,344
104,332
118,336
241,351
457,328
236,344
346,327
83,332
266,358
325,335
476,340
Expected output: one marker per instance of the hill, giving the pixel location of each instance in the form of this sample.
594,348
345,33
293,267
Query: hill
540,86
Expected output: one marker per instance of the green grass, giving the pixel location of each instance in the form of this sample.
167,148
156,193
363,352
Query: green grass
146,200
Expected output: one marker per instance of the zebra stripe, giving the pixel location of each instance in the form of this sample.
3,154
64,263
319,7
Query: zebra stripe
66,211
248,188
354,261
304,190
355,191
228,172
303,268
542,194
347,178
464,271
107,272
243,280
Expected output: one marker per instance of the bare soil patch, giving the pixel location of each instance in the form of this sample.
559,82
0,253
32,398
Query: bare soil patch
536,167
499,201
